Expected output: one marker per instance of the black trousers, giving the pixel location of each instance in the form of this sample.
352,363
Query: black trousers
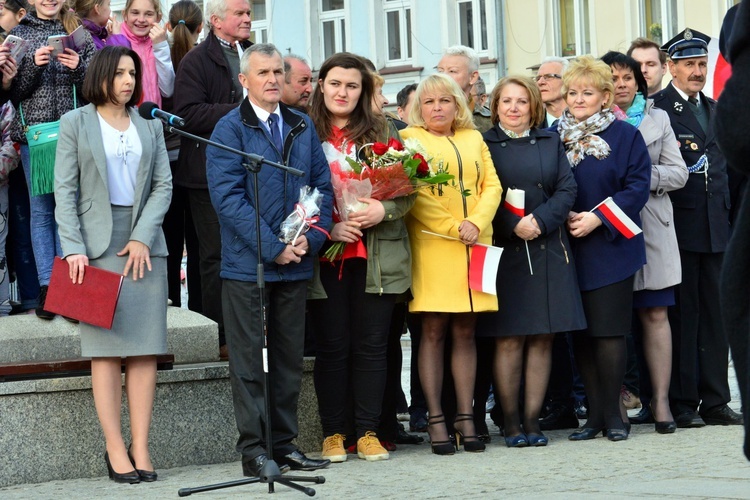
351,329
179,232
209,248
700,350
285,306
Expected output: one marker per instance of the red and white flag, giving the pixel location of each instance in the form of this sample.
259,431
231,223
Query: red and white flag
618,218
483,266
515,201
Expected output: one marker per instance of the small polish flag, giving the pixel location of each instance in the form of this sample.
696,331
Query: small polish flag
483,266
618,218
515,201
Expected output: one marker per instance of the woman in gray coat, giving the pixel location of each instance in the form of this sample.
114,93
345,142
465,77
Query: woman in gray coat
112,188
654,282
531,308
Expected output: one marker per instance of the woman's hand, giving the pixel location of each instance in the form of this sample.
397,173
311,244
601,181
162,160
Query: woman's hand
347,231
581,224
468,233
4,54
113,25
42,55
371,215
158,34
9,70
76,266
527,228
139,258
69,58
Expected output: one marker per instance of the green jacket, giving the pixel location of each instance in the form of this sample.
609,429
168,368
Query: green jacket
388,249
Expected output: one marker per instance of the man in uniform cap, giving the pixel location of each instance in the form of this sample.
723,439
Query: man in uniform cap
701,211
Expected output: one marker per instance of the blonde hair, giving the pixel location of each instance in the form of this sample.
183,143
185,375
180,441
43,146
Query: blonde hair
594,71
156,4
536,106
378,80
67,17
441,84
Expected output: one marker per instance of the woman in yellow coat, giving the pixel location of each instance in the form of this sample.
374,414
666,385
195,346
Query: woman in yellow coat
442,122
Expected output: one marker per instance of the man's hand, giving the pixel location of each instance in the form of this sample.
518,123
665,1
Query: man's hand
290,254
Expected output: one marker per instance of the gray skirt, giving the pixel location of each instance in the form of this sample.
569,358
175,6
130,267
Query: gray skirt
140,324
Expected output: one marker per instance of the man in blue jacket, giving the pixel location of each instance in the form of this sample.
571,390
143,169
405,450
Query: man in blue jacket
263,126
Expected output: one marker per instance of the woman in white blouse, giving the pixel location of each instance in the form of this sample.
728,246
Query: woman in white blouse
112,188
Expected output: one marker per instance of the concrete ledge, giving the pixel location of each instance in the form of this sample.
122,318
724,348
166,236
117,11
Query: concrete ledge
191,337
49,429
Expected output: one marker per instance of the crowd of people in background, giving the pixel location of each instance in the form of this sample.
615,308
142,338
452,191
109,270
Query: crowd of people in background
608,288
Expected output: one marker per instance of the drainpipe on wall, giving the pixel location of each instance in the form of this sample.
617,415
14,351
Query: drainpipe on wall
502,67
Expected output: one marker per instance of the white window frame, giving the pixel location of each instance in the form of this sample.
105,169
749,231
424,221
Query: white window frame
339,19
579,30
260,27
476,25
667,10
405,10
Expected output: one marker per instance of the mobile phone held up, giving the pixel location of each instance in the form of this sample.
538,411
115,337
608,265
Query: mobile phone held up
18,47
73,41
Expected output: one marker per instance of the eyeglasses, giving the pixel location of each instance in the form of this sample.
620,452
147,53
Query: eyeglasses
547,76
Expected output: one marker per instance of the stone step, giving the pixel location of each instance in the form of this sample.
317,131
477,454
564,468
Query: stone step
191,337
50,429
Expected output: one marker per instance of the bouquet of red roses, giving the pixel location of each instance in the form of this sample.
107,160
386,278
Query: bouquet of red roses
392,170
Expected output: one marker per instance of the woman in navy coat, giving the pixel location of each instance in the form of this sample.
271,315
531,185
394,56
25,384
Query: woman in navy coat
531,307
611,164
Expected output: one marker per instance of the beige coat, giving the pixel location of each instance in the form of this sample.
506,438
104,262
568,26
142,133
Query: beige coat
668,172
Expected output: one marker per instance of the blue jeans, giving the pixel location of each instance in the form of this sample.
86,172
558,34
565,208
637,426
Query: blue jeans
19,240
44,237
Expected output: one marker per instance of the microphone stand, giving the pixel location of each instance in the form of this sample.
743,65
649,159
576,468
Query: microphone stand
270,472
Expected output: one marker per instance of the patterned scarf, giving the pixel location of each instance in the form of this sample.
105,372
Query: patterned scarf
145,49
514,135
580,138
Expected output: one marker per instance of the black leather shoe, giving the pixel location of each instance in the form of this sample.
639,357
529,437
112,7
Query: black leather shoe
559,417
586,433
723,415
406,438
644,416
688,419
297,460
252,468
147,476
665,427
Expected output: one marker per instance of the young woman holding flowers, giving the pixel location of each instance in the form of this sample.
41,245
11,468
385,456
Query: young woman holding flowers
442,121
359,286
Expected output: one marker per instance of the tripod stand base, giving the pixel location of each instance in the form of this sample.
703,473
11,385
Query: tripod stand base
270,474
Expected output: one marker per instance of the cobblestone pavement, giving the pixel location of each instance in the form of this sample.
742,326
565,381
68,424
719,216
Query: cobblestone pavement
692,463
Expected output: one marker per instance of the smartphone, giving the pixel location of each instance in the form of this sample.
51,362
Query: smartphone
17,46
58,44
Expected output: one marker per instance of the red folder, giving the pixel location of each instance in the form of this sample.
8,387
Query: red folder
93,302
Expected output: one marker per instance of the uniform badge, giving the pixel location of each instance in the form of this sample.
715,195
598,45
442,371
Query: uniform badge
694,147
678,106
688,34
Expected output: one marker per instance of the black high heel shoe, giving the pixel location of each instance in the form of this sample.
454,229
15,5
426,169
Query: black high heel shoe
131,477
147,476
617,434
667,427
471,443
586,433
439,447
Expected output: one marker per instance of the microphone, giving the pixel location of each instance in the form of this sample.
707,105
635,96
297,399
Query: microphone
150,110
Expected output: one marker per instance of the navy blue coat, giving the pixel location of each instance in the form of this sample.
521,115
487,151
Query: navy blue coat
549,300
605,256
231,189
701,208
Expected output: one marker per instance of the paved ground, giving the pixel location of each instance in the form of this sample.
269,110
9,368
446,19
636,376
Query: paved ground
692,463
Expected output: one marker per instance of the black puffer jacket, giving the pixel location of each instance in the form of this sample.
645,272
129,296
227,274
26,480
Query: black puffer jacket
45,92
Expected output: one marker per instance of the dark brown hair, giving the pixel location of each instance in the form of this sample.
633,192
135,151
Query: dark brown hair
364,125
185,17
100,76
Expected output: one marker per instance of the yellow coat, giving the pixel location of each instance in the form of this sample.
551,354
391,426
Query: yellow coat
440,267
